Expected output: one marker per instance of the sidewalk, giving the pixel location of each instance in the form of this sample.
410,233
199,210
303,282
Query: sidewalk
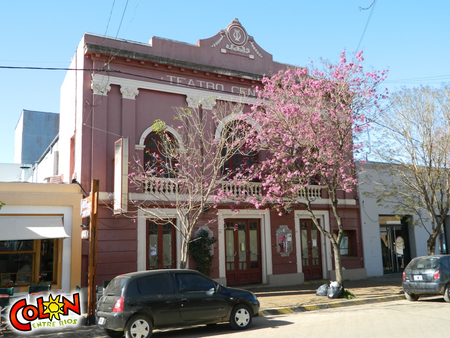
281,300
299,298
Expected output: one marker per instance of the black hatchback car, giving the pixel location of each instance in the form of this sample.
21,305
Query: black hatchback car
135,303
427,276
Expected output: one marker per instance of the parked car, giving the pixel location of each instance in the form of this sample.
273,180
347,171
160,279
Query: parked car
135,303
427,276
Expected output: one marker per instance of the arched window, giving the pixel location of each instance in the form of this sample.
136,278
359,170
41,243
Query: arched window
243,158
159,154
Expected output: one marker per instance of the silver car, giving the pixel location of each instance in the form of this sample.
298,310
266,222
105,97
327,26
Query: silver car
427,276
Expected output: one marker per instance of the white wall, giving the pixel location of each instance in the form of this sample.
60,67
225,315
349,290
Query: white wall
370,210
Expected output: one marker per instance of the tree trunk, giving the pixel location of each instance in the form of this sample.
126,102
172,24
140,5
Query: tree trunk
431,245
337,263
184,253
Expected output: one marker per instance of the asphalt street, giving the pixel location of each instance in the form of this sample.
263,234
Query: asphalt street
276,302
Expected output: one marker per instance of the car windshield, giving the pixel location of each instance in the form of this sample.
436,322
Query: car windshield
424,263
114,287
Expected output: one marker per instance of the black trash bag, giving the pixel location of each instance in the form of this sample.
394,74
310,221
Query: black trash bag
335,290
322,290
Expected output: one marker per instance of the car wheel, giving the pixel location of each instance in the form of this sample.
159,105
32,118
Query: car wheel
114,334
447,294
412,297
240,317
139,326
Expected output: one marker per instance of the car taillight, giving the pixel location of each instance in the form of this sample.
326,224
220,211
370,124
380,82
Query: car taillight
118,306
436,274
404,276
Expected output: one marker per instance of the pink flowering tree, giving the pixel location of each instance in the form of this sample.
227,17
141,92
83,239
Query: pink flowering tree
180,178
308,121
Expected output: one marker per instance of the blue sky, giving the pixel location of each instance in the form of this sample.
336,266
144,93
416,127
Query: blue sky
410,38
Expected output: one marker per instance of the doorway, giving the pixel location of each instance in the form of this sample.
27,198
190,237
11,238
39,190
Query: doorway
243,251
160,245
311,250
394,243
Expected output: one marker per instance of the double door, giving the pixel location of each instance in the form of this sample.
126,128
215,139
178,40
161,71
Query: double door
243,251
160,245
311,250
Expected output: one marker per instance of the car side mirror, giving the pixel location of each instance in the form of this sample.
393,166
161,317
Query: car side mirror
210,292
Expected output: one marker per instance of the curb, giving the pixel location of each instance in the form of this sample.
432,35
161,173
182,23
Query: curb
279,311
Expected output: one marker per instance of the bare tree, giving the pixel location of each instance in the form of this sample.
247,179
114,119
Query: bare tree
187,168
416,145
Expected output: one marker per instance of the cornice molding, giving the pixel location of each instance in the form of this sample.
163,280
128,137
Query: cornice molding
107,81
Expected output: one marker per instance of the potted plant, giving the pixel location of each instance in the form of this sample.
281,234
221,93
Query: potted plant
7,289
36,287
200,249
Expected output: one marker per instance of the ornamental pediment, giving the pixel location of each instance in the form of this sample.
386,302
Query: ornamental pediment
235,40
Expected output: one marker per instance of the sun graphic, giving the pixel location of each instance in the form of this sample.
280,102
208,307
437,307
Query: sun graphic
54,307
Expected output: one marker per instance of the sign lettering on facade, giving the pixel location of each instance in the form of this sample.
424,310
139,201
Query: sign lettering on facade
197,83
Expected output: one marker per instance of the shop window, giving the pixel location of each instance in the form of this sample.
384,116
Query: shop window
28,261
348,243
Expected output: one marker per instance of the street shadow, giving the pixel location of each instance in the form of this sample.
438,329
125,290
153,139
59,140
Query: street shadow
432,299
284,293
258,323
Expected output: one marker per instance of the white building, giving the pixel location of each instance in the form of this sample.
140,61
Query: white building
389,242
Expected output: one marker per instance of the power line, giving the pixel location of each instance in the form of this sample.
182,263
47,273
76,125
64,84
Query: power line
437,78
108,71
421,79
367,23
49,68
365,9
123,14
110,14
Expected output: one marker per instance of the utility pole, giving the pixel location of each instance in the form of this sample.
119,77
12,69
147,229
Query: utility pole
92,265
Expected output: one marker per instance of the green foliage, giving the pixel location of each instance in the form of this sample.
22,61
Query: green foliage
200,249
1,204
159,126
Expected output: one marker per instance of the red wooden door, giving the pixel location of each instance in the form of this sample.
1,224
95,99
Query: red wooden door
311,250
243,251
161,246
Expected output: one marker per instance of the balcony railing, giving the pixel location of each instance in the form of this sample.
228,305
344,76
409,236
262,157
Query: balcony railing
240,190
160,186
310,192
170,186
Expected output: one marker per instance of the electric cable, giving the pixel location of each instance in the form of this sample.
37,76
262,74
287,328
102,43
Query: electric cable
367,23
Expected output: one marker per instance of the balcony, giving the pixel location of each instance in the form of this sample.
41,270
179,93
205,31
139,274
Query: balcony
160,186
168,187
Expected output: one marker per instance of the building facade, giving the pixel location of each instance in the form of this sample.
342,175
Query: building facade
40,235
35,131
119,89
390,240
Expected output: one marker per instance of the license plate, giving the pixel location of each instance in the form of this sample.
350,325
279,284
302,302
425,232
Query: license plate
417,277
101,321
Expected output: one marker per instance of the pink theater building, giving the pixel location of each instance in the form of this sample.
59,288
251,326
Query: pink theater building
119,90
